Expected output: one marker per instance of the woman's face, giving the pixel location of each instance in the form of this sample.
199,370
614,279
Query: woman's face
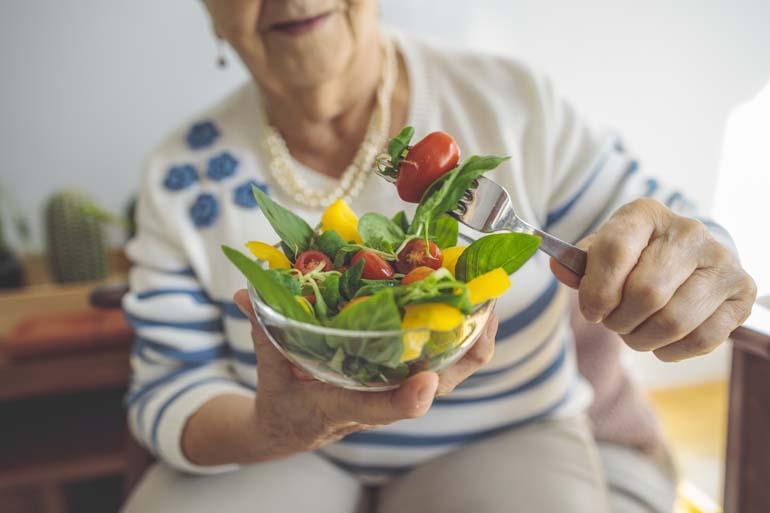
296,43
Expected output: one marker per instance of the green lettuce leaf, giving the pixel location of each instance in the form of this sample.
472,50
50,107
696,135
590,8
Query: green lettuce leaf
376,228
506,250
270,289
399,144
444,231
443,195
294,232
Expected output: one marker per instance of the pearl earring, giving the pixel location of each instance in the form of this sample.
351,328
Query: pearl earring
221,58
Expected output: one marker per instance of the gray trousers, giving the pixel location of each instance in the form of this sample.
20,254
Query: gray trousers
554,466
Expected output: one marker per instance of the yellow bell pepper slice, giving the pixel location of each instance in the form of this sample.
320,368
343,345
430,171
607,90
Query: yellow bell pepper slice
340,217
305,304
450,257
270,254
488,285
433,316
414,341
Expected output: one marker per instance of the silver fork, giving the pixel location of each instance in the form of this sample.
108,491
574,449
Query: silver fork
487,208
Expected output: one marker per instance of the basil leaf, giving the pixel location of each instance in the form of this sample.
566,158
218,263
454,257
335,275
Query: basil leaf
272,292
444,231
506,250
444,194
398,144
378,313
294,232
329,243
370,287
373,226
401,220
350,281
330,290
287,281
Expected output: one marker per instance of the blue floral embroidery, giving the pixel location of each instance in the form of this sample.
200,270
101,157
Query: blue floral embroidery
180,177
205,210
221,166
202,134
243,196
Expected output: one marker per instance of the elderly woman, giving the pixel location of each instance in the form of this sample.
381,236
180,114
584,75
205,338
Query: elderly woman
493,433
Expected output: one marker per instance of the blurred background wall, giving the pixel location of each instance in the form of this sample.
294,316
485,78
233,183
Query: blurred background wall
87,87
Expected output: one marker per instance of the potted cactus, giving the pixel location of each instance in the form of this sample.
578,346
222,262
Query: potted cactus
11,268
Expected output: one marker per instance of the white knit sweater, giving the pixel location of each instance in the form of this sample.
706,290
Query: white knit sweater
193,344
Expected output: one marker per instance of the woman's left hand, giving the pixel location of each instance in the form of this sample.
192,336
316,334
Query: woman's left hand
661,281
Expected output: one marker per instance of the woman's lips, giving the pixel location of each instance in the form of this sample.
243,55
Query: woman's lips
297,27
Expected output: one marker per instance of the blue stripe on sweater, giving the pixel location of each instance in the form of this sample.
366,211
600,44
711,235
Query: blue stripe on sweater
541,378
484,375
555,215
198,295
415,440
195,356
633,167
213,325
135,395
512,325
172,398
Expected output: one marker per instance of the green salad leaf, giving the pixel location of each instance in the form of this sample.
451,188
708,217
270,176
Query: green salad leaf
329,242
444,231
401,219
294,232
378,313
399,144
378,232
287,280
350,281
506,250
369,287
270,289
444,194
330,290
439,287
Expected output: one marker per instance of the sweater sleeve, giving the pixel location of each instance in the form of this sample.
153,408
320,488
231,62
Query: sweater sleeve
179,358
591,175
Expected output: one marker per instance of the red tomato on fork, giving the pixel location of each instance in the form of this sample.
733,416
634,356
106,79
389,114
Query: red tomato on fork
375,268
436,154
309,260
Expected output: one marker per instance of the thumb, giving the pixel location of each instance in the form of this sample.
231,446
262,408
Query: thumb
272,366
563,274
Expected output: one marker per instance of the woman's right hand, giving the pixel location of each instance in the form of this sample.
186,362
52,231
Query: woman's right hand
295,413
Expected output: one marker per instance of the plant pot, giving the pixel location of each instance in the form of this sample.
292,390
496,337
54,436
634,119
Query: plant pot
11,270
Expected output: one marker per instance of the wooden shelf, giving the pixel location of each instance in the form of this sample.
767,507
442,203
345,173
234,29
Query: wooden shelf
62,438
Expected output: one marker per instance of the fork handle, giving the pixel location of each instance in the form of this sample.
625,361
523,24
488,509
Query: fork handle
571,257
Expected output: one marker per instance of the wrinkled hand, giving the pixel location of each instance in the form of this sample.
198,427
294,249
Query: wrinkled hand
661,281
301,414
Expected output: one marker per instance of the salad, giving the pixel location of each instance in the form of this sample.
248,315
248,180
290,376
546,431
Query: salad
407,280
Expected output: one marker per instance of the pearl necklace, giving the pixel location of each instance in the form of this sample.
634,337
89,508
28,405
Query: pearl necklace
352,179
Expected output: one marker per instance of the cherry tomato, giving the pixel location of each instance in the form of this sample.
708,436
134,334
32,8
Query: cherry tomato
375,268
310,297
417,274
426,161
415,255
309,260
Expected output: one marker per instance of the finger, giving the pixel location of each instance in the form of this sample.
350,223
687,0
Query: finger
706,337
564,275
477,356
612,255
665,264
272,367
412,399
694,302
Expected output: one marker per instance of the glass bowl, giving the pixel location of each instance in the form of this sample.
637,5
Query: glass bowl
330,355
